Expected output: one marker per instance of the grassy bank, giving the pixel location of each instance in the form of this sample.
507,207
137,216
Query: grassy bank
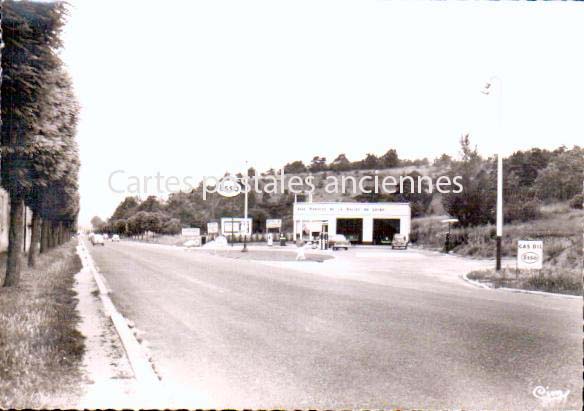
559,227
40,347
267,255
552,280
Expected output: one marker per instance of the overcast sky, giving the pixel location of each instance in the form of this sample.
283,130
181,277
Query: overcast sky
193,88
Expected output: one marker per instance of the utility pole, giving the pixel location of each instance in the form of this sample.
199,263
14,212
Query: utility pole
499,209
487,90
246,189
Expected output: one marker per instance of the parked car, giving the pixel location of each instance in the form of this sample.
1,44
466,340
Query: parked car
97,239
399,241
115,238
386,240
339,241
105,236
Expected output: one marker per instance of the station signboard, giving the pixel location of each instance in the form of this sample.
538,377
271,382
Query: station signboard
529,255
236,226
191,232
213,228
273,223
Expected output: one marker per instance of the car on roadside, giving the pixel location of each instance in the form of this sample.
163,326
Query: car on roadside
399,241
115,238
97,239
339,241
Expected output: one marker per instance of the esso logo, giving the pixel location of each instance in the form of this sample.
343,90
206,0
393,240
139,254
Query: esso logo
228,187
529,258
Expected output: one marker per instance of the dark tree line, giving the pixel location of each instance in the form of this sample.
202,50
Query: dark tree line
530,179
341,163
40,161
133,217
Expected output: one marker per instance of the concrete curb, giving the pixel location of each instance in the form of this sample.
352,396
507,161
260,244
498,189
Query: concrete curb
135,352
478,284
475,283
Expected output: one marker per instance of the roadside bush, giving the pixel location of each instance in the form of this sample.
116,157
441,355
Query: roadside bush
576,201
552,279
521,210
566,282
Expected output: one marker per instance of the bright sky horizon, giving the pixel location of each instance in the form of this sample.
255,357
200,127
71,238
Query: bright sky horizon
186,88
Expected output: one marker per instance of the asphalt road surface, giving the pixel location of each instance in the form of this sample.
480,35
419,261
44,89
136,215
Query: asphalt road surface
369,329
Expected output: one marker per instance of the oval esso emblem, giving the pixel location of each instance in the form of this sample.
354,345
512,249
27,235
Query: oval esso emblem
529,258
228,187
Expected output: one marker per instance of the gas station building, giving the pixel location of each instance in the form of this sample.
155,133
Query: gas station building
360,223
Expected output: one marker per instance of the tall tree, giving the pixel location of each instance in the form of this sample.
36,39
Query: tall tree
52,151
317,164
341,163
389,159
476,203
31,31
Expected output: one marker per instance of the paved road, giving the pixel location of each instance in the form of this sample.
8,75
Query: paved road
369,329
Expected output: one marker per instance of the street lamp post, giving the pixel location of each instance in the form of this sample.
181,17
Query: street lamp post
499,209
487,90
449,221
245,190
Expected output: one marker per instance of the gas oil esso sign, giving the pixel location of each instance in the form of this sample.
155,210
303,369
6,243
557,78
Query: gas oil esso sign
529,255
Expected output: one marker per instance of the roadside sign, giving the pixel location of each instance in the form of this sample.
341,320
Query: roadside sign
273,223
270,239
529,255
191,232
236,226
213,228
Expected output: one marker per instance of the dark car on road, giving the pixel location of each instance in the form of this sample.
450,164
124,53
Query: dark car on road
399,241
339,241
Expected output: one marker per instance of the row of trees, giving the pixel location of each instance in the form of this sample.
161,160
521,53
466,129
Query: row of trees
134,217
531,178
341,163
40,160
138,223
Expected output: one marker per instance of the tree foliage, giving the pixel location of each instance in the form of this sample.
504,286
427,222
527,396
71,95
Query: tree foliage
39,155
476,203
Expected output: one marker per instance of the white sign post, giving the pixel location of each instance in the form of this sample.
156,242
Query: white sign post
529,255
236,226
213,228
191,232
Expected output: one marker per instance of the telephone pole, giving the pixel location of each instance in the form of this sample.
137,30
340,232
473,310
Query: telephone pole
487,90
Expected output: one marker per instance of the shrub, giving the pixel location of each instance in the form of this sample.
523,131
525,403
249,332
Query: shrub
577,201
519,210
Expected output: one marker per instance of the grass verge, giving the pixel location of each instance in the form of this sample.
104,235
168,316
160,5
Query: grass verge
267,255
553,280
560,228
40,348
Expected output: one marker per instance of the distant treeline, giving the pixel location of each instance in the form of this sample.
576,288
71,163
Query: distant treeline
341,163
531,178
